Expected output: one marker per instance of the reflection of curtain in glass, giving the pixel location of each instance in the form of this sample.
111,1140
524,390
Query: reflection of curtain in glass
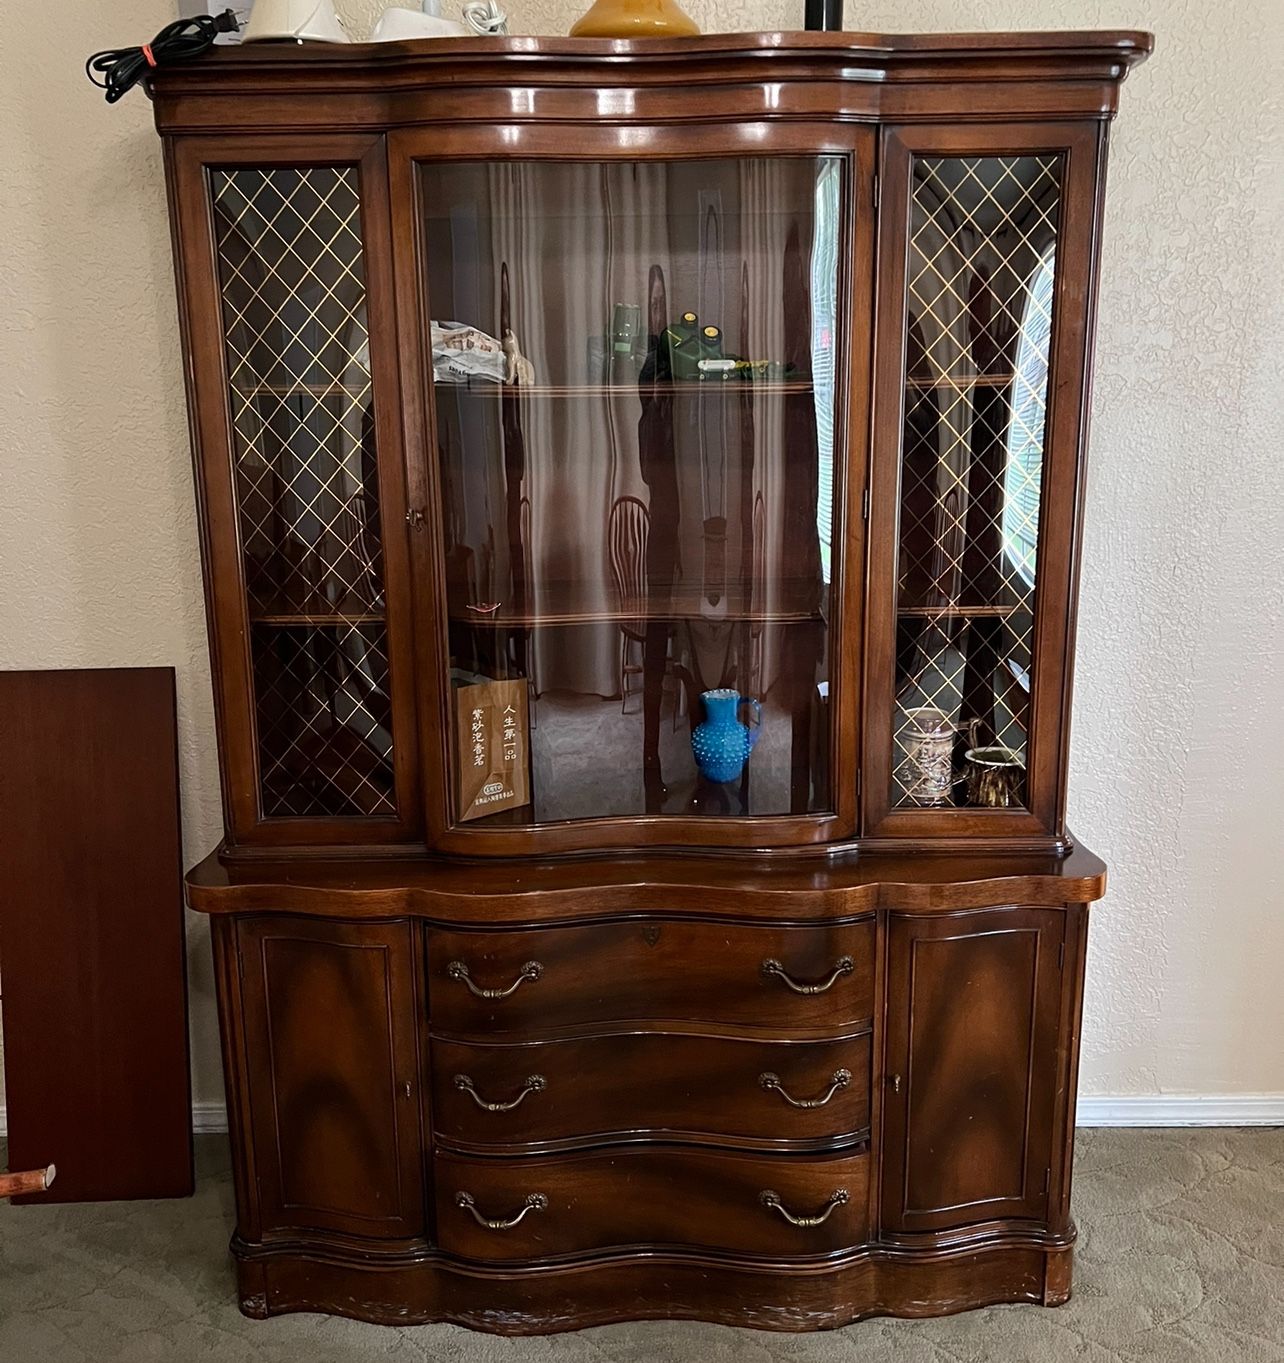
778,196
1023,476
577,238
824,311
937,304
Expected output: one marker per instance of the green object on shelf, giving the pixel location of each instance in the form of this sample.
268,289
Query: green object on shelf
682,342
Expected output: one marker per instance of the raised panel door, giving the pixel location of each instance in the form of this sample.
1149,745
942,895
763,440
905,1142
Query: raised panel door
333,1077
970,1067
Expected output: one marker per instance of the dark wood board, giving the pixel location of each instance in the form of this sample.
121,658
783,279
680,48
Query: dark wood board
92,968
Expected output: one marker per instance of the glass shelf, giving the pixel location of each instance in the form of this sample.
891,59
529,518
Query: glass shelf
963,612
919,383
721,388
301,620
354,392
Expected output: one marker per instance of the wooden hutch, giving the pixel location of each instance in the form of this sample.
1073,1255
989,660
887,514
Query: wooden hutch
538,388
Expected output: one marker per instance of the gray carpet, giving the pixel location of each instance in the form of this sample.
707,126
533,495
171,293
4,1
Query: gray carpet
1181,1259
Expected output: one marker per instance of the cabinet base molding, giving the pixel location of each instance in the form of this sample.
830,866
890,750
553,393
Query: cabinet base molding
425,1288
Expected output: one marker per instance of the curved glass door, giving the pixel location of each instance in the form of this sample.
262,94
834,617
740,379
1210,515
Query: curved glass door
635,391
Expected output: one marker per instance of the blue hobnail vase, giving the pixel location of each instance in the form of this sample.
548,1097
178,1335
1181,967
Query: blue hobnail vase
722,744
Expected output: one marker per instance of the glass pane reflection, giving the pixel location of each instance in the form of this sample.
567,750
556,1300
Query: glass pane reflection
981,275
638,484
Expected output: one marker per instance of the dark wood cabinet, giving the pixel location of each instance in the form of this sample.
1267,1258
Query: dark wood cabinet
333,1080
640,488
972,1030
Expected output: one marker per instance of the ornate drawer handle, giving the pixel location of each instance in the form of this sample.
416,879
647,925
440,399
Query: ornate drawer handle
535,1202
842,967
771,1082
532,970
840,1198
536,1083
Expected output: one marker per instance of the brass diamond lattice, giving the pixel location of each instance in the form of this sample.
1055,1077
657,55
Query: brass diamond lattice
324,719
291,269
980,286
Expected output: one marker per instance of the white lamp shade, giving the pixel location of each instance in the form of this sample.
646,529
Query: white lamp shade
300,20
396,25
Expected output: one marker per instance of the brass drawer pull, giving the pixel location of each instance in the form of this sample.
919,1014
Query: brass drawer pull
536,1083
840,1198
771,1082
842,967
532,970
535,1202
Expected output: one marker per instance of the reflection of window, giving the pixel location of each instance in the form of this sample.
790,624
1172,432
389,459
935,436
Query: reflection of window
1023,475
824,309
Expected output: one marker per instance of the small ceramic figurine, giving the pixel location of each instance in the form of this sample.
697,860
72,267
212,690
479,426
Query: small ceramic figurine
520,372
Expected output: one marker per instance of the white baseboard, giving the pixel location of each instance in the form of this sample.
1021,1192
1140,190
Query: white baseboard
1195,1109
1181,1109
209,1119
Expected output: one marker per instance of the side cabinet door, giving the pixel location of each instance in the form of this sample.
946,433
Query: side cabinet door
333,1086
973,1007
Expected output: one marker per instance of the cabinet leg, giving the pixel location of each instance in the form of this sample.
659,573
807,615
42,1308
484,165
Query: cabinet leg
1057,1273
252,1290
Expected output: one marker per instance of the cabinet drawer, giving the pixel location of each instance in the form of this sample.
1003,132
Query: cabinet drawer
784,979
760,1205
651,1083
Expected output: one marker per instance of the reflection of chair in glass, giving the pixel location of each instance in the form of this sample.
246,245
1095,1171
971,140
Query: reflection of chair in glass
758,597
627,530
526,660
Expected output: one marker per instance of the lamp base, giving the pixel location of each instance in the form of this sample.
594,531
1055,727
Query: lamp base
636,19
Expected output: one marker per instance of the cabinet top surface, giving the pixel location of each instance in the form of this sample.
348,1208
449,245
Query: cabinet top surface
882,56
798,888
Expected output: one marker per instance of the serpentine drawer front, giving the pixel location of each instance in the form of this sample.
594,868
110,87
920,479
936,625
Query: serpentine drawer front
775,1093
761,1205
781,979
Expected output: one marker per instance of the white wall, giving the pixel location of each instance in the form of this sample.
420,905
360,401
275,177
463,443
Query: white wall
1178,770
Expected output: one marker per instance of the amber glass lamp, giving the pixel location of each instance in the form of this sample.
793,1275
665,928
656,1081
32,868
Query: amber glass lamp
635,19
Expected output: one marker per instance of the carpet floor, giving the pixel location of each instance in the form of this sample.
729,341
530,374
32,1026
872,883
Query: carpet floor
1180,1260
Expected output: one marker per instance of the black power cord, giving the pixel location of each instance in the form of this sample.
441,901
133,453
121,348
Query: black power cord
120,70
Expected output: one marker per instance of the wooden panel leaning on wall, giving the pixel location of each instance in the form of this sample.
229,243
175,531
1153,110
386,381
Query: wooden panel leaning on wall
91,933
757,998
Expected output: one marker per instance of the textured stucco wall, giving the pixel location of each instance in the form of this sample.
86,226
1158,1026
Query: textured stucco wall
1178,769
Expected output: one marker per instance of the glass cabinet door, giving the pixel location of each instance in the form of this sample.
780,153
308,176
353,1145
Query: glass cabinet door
636,388
982,313
291,269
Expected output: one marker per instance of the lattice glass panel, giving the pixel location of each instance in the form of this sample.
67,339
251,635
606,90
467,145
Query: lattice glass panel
324,719
980,286
292,275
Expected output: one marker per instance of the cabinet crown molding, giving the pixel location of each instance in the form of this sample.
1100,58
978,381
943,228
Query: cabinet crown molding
863,77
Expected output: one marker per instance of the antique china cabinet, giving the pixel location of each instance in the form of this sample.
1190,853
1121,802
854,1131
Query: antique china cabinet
555,403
